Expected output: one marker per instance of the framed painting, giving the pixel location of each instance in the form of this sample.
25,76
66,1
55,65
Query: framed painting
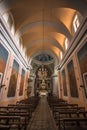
1,74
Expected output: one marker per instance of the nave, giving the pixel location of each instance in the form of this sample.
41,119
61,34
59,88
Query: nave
43,64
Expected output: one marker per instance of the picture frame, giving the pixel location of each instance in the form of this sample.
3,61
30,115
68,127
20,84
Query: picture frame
85,82
1,74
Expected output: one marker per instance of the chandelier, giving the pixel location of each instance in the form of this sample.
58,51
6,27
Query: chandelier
42,73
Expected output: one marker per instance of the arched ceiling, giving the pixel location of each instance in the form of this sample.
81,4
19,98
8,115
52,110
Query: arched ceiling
43,22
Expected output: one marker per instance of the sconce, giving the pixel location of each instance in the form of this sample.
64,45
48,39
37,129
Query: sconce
81,86
2,85
25,89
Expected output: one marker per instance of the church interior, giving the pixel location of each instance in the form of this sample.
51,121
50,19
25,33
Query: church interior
43,64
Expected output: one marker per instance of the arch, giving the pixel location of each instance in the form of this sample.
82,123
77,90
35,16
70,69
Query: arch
50,52
52,41
59,26
9,21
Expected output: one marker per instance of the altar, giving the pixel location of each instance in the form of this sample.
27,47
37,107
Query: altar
43,93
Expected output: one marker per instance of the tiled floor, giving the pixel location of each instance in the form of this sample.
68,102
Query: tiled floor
42,119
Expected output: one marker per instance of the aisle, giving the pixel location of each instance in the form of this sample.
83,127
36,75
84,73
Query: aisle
42,119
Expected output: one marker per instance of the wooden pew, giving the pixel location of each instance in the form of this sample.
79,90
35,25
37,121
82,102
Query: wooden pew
25,106
10,121
69,115
12,111
13,108
67,123
33,101
24,117
4,127
53,106
22,109
56,110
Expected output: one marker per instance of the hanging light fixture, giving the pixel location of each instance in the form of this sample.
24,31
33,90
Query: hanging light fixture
43,67
43,37
42,70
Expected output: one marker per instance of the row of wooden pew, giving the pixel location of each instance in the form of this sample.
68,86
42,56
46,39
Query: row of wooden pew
68,116
17,116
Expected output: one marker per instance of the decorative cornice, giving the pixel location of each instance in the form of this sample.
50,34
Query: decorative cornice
45,63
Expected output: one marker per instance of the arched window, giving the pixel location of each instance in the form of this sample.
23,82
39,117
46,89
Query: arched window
61,55
10,21
21,47
6,16
76,22
13,29
66,43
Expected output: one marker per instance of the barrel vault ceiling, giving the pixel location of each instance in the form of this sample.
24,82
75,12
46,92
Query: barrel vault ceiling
43,24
